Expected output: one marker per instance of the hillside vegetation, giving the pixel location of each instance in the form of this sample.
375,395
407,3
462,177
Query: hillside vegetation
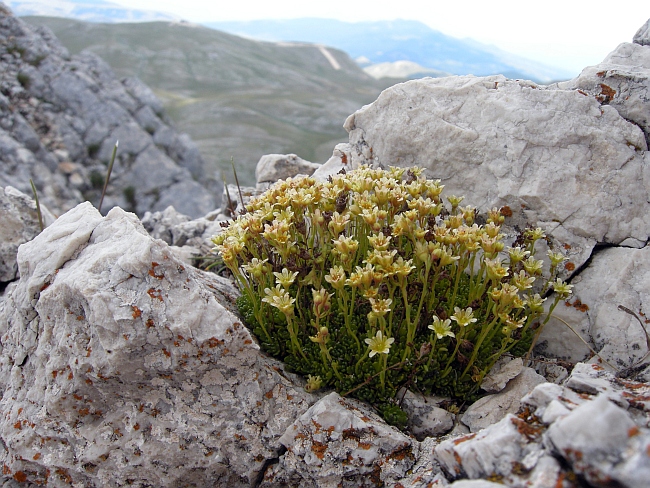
237,98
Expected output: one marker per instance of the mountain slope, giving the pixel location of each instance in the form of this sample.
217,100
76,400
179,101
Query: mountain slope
398,40
237,98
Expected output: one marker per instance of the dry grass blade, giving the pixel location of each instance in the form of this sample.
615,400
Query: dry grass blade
108,176
241,198
230,207
585,343
647,337
38,205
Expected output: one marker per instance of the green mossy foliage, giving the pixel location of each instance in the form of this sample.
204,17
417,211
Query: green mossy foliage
368,283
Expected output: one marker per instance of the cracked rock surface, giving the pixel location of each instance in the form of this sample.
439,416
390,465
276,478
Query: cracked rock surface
120,366
60,117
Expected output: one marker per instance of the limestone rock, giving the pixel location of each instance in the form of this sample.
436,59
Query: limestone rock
622,81
603,444
61,116
501,373
341,442
426,418
19,224
597,426
340,161
587,381
642,36
617,336
274,167
492,451
492,408
120,366
502,142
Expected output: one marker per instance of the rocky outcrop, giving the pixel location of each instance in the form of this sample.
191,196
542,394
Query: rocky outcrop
60,117
120,366
274,167
123,365
19,223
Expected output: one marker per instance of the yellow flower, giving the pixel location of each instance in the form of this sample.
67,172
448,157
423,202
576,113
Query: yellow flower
517,254
338,222
522,281
322,302
556,258
463,317
562,288
286,278
278,298
533,266
495,270
256,268
380,242
441,328
535,303
454,200
379,344
314,383
336,277
380,306
321,337
402,268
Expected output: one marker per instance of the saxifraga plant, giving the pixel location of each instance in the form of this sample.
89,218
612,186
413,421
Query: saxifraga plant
368,283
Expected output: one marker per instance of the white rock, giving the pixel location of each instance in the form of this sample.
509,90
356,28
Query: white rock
553,411
426,419
642,36
602,443
492,408
617,336
19,224
503,371
340,161
120,366
494,450
621,81
475,484
274,167
544,153
341,442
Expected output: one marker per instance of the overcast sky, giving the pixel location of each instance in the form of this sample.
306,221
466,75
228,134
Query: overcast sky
563,33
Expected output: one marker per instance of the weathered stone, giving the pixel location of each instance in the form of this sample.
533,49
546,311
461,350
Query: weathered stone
602,443
642,36
274,167
341,442
501,373
121,367
501,142
54,103
19,224
492,451
616,335
340,161
475,484
621,81
177,229
586,381
492,408
426,419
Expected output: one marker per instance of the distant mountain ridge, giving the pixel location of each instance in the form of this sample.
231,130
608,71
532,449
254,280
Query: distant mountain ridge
87,10
399,40
237,98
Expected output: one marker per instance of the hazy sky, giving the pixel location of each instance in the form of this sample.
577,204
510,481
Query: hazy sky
563,33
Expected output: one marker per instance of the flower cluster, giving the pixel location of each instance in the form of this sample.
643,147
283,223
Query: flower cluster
369,282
